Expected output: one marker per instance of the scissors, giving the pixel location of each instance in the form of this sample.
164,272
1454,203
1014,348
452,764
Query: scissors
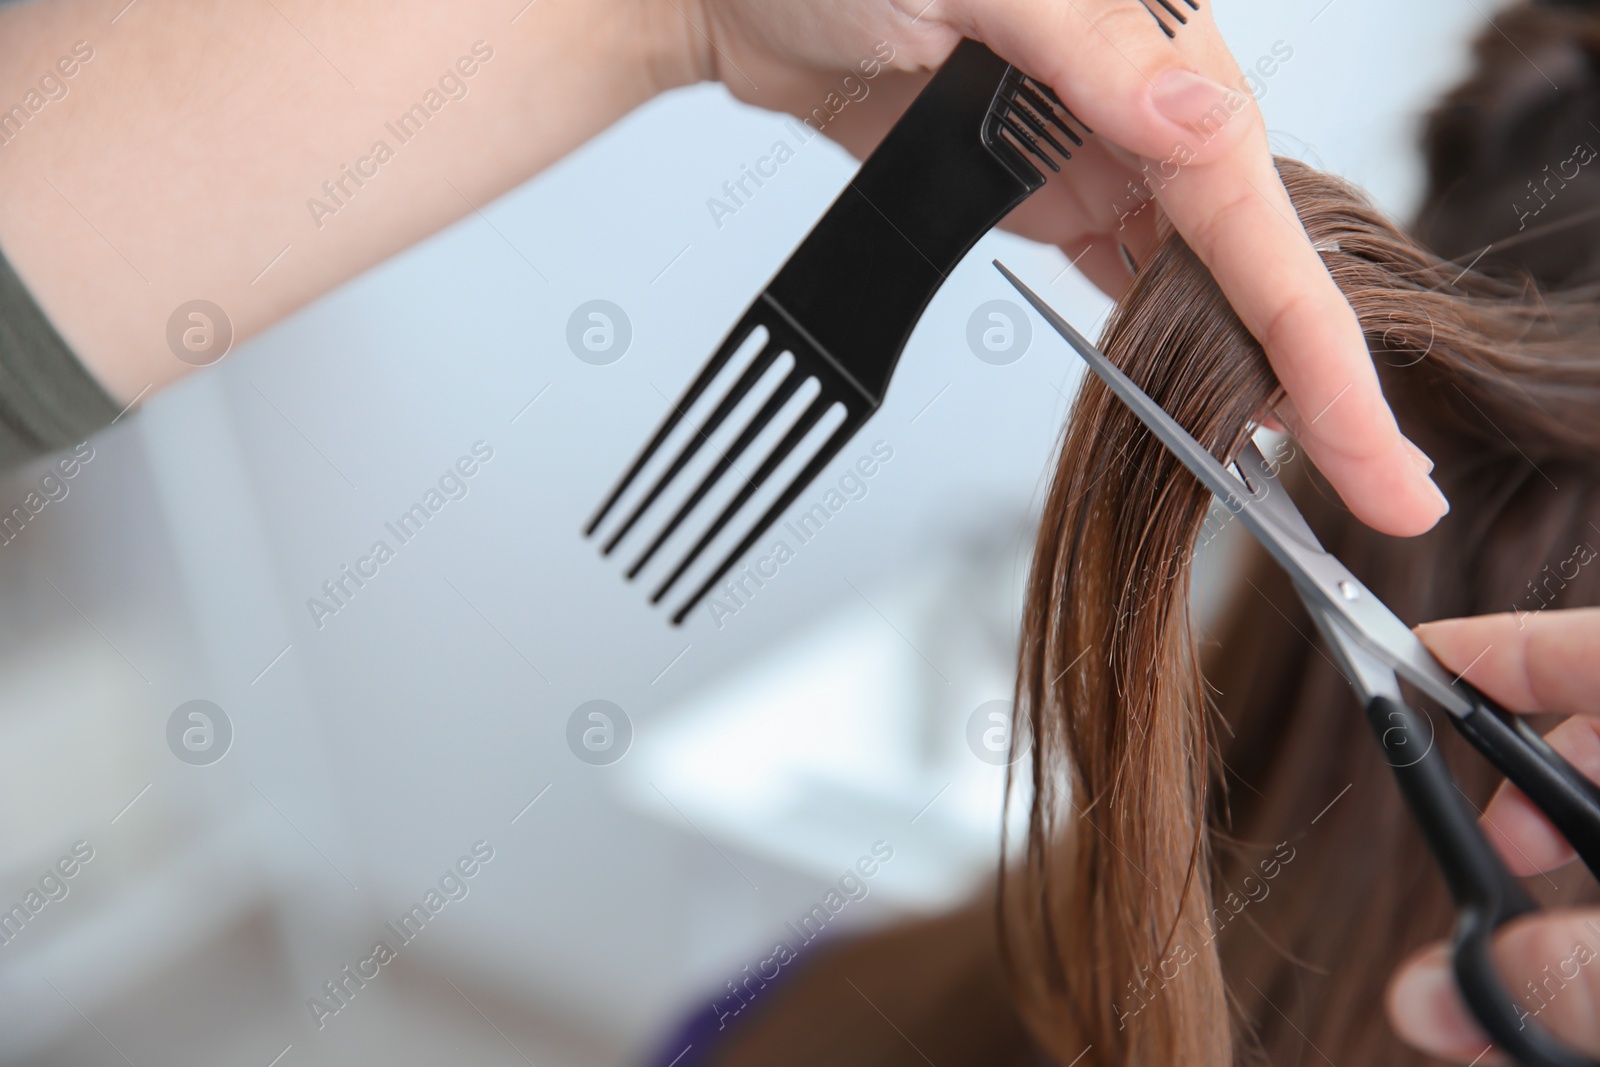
1374,650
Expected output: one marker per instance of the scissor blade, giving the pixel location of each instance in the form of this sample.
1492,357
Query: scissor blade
1369,675
1267,494
1201,463
1320,578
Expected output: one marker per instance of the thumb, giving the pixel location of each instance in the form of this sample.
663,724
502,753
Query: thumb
1549,962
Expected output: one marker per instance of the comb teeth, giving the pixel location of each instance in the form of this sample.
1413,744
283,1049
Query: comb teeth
741,388
836,440
1028,93
783,406
733,342
791,384
809,418
1174,13
1026,140
1030,116
1021,111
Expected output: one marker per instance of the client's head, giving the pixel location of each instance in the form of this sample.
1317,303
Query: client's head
1513,152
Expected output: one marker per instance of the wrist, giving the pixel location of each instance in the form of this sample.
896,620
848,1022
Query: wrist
671,41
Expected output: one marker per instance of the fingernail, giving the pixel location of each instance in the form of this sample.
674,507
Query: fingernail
1188,98
1428,1010
1424,466
1443,501
1419,457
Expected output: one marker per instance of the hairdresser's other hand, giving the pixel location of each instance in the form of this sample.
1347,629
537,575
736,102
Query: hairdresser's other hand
1173,116
1548,661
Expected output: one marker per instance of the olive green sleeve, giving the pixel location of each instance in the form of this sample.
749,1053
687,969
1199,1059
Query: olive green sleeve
47,399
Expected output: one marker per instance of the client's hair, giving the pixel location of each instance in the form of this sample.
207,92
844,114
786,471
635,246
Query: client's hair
1218,865
1513,176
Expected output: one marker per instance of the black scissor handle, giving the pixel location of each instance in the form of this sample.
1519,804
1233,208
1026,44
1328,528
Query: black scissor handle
1569,800
1486,895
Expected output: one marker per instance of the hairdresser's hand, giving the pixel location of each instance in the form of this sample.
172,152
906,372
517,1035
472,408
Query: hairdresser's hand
1170,117
1530,663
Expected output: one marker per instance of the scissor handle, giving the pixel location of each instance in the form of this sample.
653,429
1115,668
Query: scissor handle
1569,800
1485,893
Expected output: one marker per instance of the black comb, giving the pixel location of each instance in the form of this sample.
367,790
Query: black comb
968,150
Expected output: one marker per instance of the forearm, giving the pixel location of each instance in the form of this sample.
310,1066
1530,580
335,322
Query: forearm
257,155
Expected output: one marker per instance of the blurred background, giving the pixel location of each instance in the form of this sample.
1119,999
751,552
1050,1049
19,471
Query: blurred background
245,850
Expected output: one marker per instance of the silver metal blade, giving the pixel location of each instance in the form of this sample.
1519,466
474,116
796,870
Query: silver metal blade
1269,514
1267,493
1366,673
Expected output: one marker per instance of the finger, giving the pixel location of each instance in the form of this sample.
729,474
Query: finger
1103,265
1094,255
1095,192
1525,839
1065,211
1236,215
1553,959
1104,229
1530,662
1210,167
1426,1009
1527,661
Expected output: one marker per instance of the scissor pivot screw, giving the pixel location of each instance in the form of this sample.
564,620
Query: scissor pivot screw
1348,591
